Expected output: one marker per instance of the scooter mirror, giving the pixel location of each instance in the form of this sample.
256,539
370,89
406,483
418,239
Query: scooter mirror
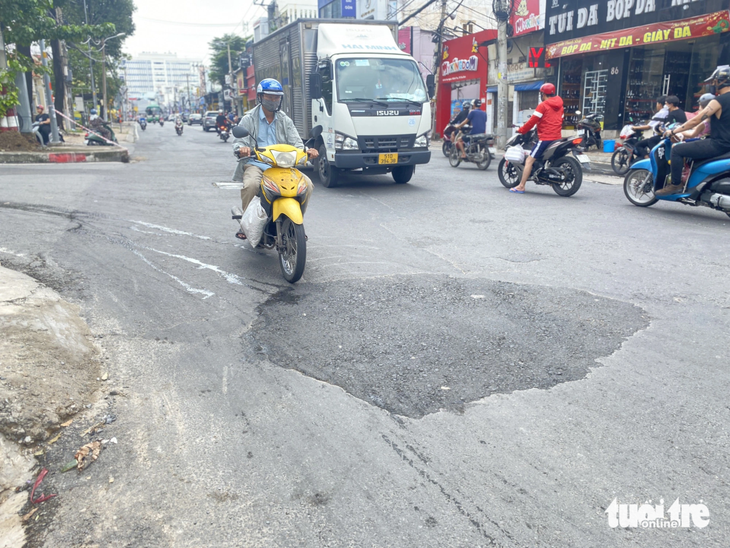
240,132
315,132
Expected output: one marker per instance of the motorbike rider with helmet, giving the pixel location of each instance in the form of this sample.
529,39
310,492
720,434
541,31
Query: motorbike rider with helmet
549,119
221,122
703,128
718,113
477,118
460,117
266,126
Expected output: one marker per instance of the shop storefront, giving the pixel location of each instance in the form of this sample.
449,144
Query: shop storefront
645,49
462,74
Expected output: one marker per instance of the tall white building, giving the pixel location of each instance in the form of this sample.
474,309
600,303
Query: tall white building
161,74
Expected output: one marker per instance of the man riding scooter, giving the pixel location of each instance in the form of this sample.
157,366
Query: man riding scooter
718,113
221,122
549,119
267,126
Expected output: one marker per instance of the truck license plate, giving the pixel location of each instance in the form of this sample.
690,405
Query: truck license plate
388,158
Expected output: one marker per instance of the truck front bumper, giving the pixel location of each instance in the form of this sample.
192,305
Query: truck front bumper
358,160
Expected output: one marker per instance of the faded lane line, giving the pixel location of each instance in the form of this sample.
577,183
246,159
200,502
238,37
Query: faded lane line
171,230
8,252
189,288
230,278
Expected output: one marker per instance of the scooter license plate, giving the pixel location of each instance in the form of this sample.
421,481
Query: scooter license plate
492,150
583,159
391,158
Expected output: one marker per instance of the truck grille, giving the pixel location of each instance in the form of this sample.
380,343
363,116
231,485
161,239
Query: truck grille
390,143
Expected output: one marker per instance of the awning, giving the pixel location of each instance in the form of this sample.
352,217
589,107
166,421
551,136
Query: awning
492,89
530,86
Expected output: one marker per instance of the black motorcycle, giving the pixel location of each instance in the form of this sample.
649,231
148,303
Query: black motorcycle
561,165
224,132
627,153
589,128
478,148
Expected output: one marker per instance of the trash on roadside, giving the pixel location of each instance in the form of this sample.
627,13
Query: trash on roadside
105,376
38,481
87,454
93,429
69,466
112,440
110,419
55,438
67,423
29,515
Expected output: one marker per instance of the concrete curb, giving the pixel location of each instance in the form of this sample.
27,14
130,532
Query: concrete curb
65,156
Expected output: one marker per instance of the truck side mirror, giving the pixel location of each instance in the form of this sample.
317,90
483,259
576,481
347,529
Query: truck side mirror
430,85
315,85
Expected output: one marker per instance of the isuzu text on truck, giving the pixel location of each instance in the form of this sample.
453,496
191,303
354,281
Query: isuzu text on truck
354,81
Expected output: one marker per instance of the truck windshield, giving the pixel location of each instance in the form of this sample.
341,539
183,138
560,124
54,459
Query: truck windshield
378,79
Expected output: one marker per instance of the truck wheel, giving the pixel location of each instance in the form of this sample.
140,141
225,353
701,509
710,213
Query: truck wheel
403,174
328,174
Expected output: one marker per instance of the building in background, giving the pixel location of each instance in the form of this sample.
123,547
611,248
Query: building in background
616,58
170,79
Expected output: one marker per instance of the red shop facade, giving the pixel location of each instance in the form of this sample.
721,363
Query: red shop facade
463,66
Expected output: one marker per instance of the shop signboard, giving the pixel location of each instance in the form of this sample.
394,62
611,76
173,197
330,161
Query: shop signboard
519,72
349,8
570,19
462,59
696,27
525,17
404,39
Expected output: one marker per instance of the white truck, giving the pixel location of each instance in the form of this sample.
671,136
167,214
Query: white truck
354,81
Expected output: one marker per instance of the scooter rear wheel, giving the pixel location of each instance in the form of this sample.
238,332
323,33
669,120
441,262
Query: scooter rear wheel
293,253
508,174
446,147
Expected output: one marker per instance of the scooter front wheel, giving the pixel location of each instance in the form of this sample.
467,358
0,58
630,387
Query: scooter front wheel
639,188
454,157
293,251
446,147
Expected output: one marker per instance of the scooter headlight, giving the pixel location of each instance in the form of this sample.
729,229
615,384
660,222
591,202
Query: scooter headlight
422,141
285,159
343,142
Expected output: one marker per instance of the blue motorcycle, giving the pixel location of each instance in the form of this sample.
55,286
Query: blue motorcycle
707,182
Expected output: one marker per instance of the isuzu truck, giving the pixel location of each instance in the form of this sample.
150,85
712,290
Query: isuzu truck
354,81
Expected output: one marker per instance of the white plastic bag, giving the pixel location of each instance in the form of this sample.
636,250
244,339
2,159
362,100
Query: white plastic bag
626,131
253,222
515,154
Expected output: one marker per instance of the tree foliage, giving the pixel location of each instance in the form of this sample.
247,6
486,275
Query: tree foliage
219,55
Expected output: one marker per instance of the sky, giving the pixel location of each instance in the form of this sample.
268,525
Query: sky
186,26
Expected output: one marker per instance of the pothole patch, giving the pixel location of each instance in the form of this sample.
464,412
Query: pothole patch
415,345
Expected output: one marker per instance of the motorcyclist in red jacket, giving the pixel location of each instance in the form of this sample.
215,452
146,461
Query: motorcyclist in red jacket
549,119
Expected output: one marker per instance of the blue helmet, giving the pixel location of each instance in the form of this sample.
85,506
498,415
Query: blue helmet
270,85
93,111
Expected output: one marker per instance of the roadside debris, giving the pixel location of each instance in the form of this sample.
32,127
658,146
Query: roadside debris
88,454
42,498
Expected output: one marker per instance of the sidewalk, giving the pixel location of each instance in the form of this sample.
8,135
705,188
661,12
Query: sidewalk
74,149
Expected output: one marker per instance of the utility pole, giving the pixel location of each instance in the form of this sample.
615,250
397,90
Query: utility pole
502,10
230,70
190,103
437,70
103,78
49,99
91,61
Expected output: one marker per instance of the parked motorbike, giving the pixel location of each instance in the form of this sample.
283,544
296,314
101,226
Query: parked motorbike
589,128
224,132
91,139
707,182
478,148
143,124
626,153
179,127
561,165
281,193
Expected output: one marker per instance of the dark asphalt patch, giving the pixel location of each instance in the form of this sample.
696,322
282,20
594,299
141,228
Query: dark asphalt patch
414,345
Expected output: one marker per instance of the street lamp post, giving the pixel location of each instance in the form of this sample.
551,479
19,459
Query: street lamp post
103,72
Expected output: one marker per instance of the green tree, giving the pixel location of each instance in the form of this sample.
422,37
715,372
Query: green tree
219,55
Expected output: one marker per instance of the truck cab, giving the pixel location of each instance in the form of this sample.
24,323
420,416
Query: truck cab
354,81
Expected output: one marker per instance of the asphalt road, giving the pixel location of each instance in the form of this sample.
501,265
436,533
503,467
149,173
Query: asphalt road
580,343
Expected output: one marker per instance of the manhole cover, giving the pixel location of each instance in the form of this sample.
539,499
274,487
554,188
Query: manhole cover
416,345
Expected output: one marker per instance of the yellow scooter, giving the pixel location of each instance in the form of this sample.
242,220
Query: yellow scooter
284,194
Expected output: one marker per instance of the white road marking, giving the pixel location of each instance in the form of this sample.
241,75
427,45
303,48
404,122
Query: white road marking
171,230
230,278
8,252
189,288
